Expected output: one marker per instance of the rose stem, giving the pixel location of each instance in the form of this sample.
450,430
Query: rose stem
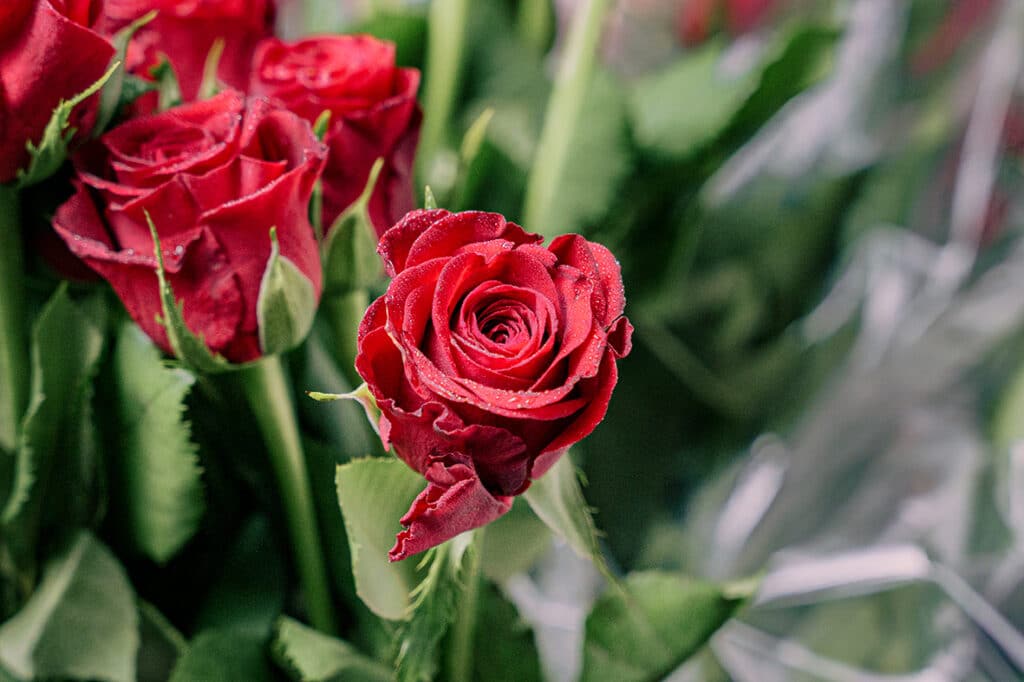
14,364
460,643
345,313
446,41
534,22
562,115
268,391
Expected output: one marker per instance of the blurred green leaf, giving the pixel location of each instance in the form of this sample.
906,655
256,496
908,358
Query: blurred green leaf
599,159
694,102
374,494
248,593
160,645
311,656
680,109
556,497
652,625
159,492
56,469
80,623
513,543
224,654
504,647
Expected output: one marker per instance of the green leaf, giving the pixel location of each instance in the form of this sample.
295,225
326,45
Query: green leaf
598,162
310,656
166,85
504,649
224,655
374,493
350,247
80,623
188,348
321,124
286,305
677,110
160,644
429,202
652,624
209,87
249,592
434,603
407,30
55,465
159,498
49,153
112,98
513,543
558,500
670,121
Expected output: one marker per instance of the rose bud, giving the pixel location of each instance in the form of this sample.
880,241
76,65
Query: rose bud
488,356
47,54
373,109
214,177
186,31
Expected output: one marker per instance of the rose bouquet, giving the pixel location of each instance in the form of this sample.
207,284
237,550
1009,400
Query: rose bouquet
314,323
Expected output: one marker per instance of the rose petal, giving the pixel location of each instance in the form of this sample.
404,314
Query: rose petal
453,502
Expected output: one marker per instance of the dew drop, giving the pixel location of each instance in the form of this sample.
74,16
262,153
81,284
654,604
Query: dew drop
179,250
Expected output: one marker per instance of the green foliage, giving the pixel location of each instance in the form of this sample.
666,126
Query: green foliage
557,499
653,624
668,119
599,160
55,469
159,496
286,305
513,543
374,493
80,623
160,644
248,593
503,647
47,155
224,654
310,656
433,608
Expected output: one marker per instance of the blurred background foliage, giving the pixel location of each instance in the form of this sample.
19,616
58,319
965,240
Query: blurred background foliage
817,205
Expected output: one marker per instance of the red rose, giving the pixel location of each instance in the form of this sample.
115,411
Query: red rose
215,177
46,54
373,114
185,30
488,356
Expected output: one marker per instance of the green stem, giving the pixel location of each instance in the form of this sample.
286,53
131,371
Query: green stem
14,359
345,312
460,651
563,114
446,42
535,23
269,394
